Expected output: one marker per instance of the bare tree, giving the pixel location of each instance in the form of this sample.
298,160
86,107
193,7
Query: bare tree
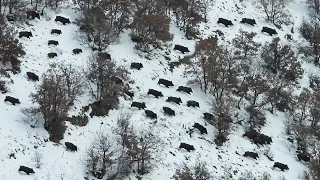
301,105
222,122
72,80
256,118
314,5
314,81
206,7
314,110
281,60
148,7
53,103
143,149
101,31
151,29
257,86
212,67
106,76
314,166
125,132
198,65
99,156
310,30
123,128
16,7
280,97
275,11
10,48
53,4
222,73
245,44
188,15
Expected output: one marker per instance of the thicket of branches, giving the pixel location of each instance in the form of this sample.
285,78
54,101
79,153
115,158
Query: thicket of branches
106,158
106,78
275,10
10,48
236,79
58,88
198,171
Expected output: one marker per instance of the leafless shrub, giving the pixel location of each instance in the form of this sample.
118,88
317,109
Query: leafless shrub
53,103
266,176
222,122
281,60
3,87
245,44
37,158
314,167
198,171
99,156
32,116
189,14
143,149
275,10
106,77
102,22
157,31
73,80
80,120
10,48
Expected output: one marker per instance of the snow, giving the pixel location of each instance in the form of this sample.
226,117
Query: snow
18,137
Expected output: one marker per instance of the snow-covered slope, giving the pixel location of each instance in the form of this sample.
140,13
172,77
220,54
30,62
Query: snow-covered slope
18,137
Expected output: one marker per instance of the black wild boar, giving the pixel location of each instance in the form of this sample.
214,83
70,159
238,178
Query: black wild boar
151,114
138,105
251,154
281,166
26,34
136,65
33,14
185,89
174,99
225,22
56,31
155,93
53,42
52,55
32,76
201,128
165,82
27,170
252,22
270,31
12,100
193,103
180,48
169,111
63,20
77,51
187,147
70,146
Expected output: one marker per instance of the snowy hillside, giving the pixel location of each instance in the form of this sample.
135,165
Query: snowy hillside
18,137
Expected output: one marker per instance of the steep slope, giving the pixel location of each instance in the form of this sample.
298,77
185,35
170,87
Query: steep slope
17,136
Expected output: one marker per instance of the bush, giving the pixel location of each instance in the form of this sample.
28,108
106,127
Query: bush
199,171
10,48
80,120
3,87
102,107
314,167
